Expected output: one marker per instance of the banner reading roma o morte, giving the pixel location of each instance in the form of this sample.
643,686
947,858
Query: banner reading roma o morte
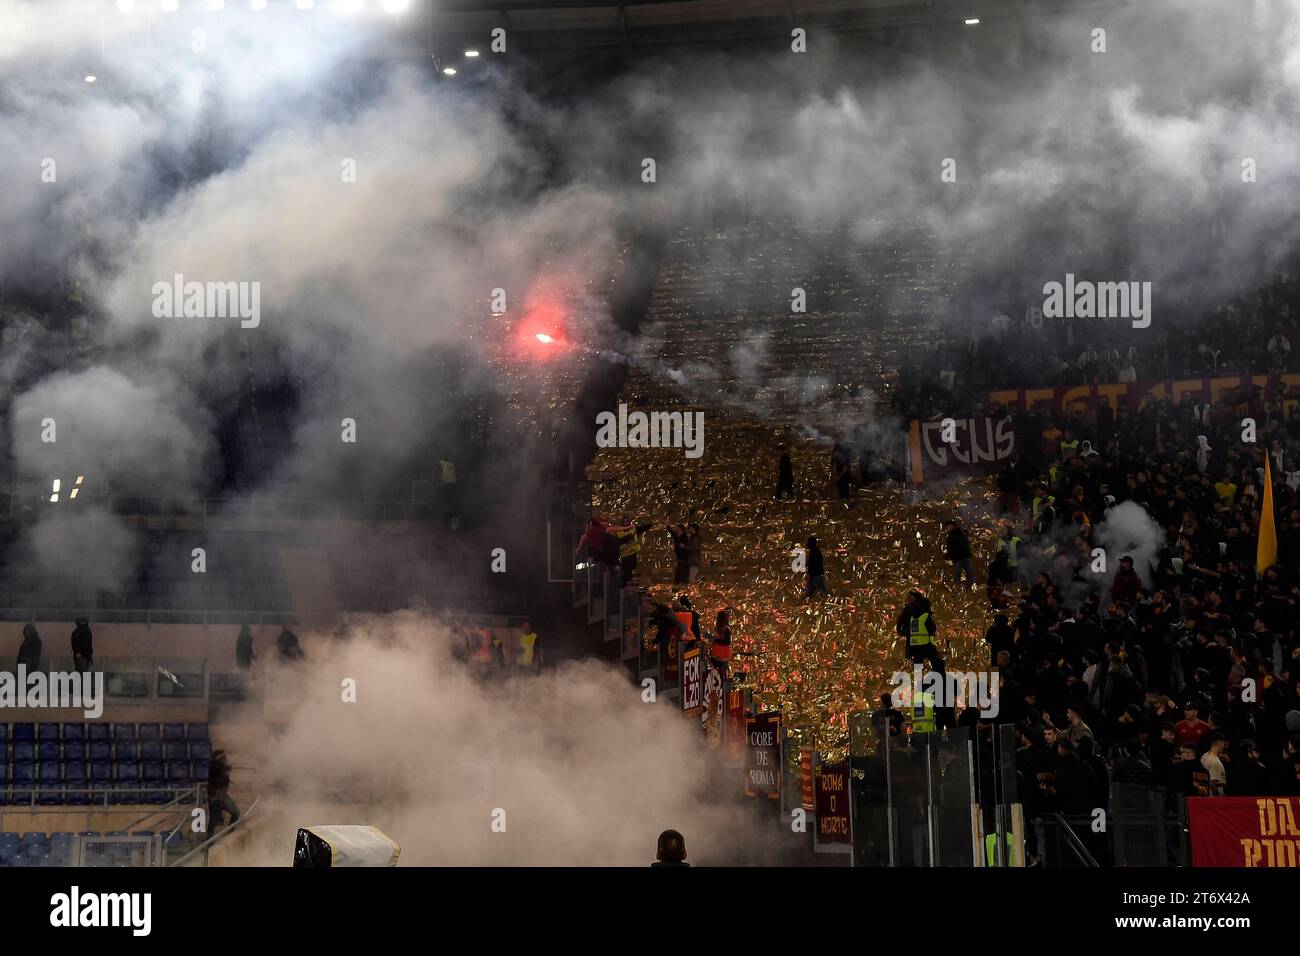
1244,831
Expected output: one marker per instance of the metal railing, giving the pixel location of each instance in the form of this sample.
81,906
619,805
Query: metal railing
148,617
203,510
142,678
202,850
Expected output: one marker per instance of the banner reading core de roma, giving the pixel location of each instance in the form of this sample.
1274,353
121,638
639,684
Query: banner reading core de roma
1244,831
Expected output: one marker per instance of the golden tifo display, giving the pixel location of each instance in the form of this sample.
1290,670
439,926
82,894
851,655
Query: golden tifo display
816,660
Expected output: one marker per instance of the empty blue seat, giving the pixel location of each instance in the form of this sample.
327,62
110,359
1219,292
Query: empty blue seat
201,752
100,793
60,849
127,793
101,750
173,750
25,733
74,778
100,772
97,732
24,778
74,750
49,791
150,750
34,839
128,752
199,771
74,733
24,752
9,849
4,735
46,731
128,772
173,732
195,732
178,772
123,732
48,751
154,779
148,732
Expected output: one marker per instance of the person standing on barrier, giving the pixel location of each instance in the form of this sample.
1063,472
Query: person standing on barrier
83,646
29,654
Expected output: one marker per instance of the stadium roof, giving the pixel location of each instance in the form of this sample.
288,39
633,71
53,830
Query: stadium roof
602,22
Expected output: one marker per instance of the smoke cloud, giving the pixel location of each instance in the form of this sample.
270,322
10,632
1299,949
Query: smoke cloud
586,773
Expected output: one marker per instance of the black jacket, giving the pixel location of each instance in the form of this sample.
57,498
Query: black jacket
816,566
29,655
82,643
958,545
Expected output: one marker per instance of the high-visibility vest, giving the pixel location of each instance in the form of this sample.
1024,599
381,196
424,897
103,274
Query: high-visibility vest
923,714
721,649
1071,446
991,850
484,653
919,631
629,543
1009,545
527,643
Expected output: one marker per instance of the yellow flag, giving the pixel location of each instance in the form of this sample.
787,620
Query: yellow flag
1266,555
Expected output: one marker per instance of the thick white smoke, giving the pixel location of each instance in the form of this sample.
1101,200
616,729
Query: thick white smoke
1129,530
584,770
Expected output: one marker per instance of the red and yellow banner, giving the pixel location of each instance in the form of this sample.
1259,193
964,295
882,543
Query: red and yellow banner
1244,831
1135,394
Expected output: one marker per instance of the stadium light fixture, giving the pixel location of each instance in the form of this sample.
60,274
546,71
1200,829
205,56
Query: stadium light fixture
90,77
471,53
972,21
80,479
58,483
449,70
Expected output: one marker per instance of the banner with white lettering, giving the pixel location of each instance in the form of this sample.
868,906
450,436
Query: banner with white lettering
763,755
692,681
831,796
958,446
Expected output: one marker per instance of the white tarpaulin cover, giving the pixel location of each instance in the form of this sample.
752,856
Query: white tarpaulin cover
358,846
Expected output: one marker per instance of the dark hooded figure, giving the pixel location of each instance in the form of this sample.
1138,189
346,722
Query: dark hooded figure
29,655
220,803
288,644
83,649
244,655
